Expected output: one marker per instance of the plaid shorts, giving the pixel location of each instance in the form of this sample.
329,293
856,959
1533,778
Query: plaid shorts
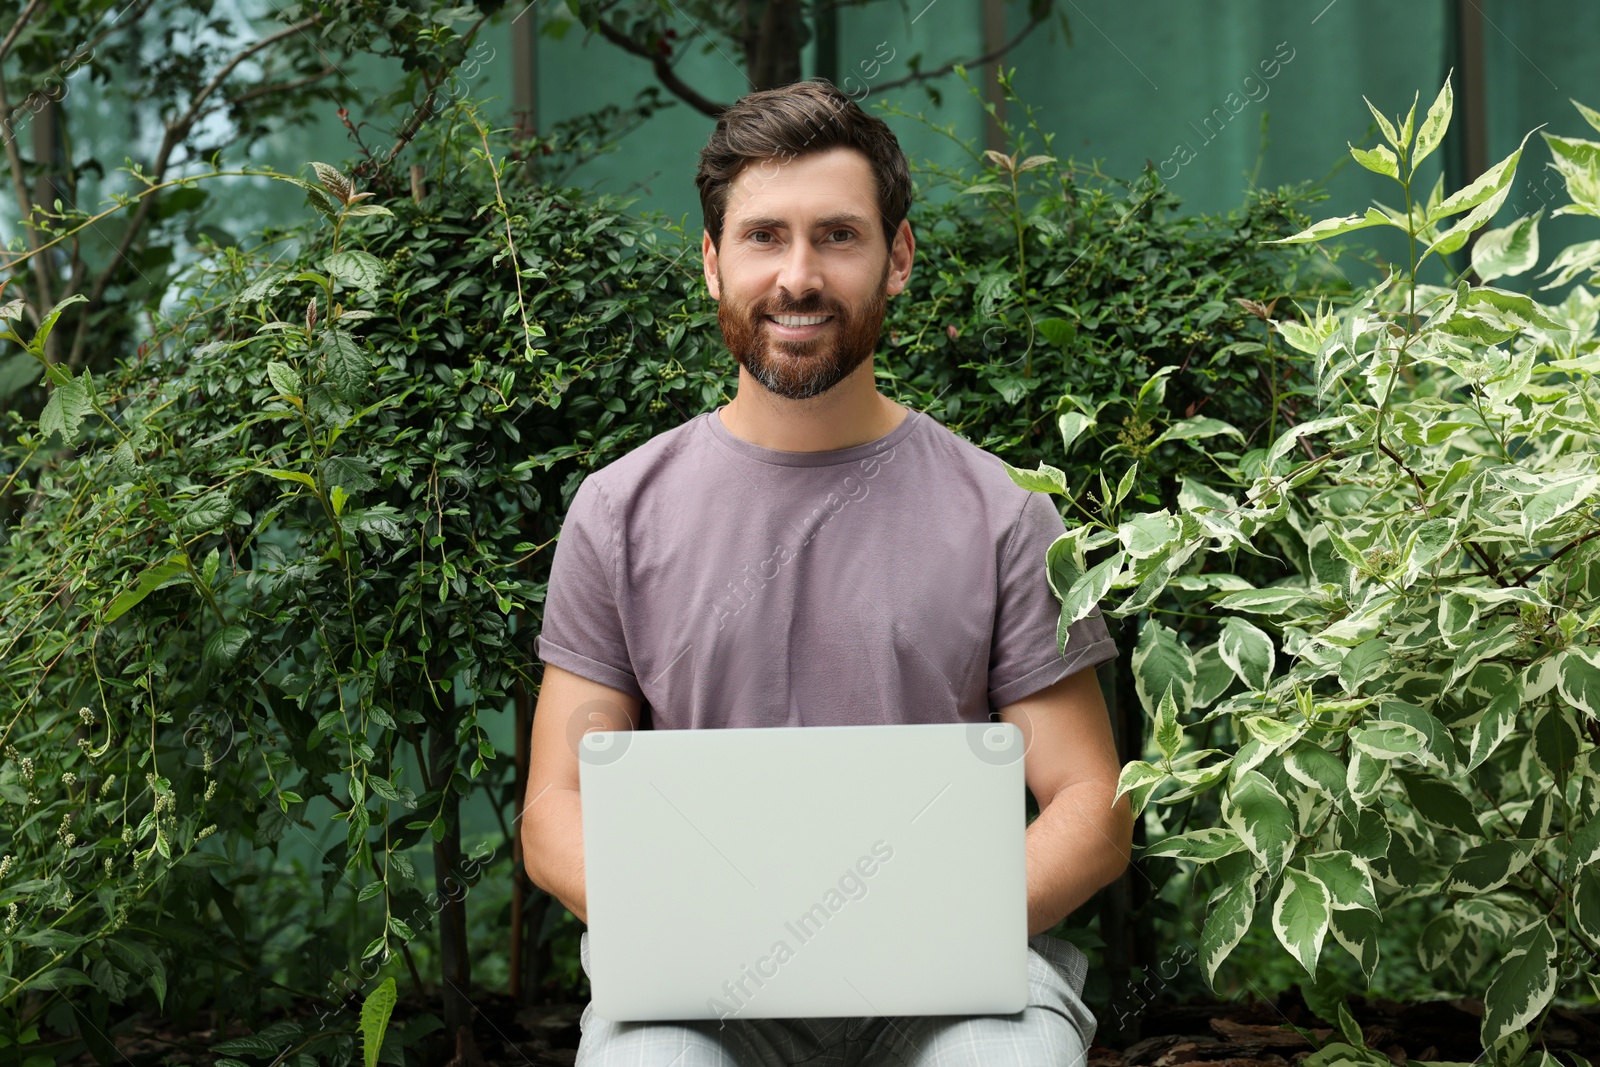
1054,1030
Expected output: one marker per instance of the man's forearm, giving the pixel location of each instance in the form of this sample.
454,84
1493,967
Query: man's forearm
1078,844
552,845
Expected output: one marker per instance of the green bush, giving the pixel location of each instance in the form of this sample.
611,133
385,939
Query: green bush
289,556
1407,720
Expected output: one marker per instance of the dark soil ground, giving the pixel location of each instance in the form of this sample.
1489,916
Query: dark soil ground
1252,1034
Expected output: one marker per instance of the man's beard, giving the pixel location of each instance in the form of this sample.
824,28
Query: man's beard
802,369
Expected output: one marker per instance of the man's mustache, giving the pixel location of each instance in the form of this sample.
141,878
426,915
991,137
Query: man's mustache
811,305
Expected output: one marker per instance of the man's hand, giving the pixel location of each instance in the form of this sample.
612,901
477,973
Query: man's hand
1080,841
552,816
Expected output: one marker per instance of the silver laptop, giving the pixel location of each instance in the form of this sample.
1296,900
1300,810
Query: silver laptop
791,872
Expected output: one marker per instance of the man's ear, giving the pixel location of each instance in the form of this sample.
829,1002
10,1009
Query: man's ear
900,256
708,262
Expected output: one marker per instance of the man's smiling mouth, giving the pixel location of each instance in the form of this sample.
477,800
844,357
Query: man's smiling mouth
799,320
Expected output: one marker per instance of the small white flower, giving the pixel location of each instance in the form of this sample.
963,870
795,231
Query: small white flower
207,832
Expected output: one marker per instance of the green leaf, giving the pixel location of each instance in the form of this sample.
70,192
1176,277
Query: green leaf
1508,251
335,182
1458,615
65,410
1088,592
352,472
1585,845
1226,924
1379,160
1316,768
1544,507
1388,741
1438,747
48,325
375,1012
1072,425
291,476
206,512
1358,932
1247,650
1556,741
223,647
1365,661
1205,845
1495,725
1486,867
1514,308
1487,187
1483,197
347,364
285,379
1347,879
1046,479
1137,779
1198,426
1440,803
1168,733
1364,833
1439,939
1258,814
1162,663
60,978
1063,562
1366,775
1334,227
1273,600
1386,126
1300,917
1058,332
1586,901
358,270
148,582
1578,678
1522,986
1431,133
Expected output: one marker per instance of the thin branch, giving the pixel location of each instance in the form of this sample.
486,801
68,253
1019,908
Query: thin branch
22,20
424,111
266,90
41,274
1586,537
663,70
176,132
988,57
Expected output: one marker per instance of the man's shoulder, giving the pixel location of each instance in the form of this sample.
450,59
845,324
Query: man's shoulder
669,449
963,459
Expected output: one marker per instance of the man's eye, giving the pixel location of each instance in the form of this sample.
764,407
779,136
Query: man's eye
839,236
761,237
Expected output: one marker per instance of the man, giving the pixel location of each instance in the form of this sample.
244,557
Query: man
815,554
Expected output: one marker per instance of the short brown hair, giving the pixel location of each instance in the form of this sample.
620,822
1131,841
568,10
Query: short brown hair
796,120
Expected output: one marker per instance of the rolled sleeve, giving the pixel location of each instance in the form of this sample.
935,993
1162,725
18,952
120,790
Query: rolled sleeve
582,630
1024,655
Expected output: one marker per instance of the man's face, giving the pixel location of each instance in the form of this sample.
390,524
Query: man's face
802,272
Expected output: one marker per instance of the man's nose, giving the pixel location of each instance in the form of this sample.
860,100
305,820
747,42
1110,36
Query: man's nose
801,270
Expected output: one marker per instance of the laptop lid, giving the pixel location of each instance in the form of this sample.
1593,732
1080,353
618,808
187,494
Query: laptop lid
791,872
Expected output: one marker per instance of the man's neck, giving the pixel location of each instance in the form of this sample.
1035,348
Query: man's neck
822,424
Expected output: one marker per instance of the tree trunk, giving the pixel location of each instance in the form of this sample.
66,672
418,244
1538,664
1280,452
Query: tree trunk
772,45
1125,897
455,964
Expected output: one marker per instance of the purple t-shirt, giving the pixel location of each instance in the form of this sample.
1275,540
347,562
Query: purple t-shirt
727,584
